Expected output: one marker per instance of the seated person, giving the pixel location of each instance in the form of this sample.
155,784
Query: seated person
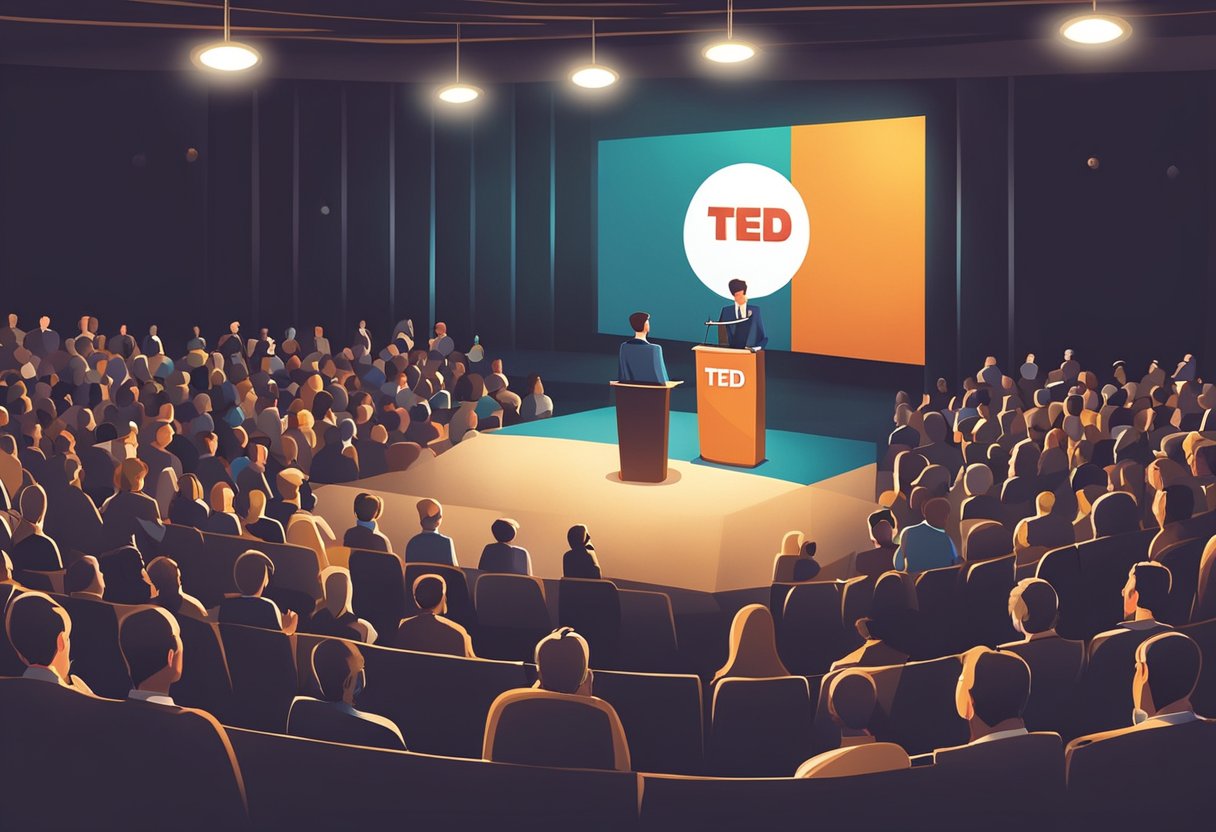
752,649
421,429
992,693
41,634
890,631
166,577
151,644
796,562
535,404
251,573
258,525
83,579
557,722
187,507
31,548
926,545
335,617
366,534
1047,529
129,513
223,518
430,545
126,578
337,670
500,556
980,503
430,631
580,560
852,698
873,562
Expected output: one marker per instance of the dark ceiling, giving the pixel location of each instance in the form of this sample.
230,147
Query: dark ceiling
508,40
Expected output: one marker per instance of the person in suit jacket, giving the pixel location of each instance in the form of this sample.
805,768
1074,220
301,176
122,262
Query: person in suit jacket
72,518
339,676
431,631
429,545
223,519
991,696
1174,510
31,548
130,514
211,469
852,698
500,556
166,576
41,634
251,573
366,534
641,362
750,334
335,617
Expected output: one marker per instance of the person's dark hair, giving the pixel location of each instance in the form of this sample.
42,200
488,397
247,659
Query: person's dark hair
637,321
1174,662
250,569
80,575
165,575
1114,513
852,696
1035,603
887,609
429,591
469,388
578,537
1152,584
879,516
1179,503
368,507
418,413
562,660
333,662
146,636
937,512
33,623
504,529
736,285
1000,686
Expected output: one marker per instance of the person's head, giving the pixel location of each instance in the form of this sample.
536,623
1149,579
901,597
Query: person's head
752,646
338,590
937,512
977,479
189,487
1044,503
252,572
166,576
222,497
738,290
563,662
882,532
84,575
441,329
1174,503
504,529
639,322
992,689
1033,606
431,593
130,475
1114,512
791,543
851,700
257,506
1147,590
44,322
33,504
368,507
151,643
40,631
578,537
337,668
1167,671
290,481
430,514
234,327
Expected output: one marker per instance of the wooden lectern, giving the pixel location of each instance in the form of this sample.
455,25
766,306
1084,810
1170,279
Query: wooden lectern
730,405
643,413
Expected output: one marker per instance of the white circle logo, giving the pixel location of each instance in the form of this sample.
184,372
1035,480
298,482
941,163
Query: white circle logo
746,221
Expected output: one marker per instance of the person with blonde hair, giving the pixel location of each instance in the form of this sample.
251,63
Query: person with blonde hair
258,525
752,647
430,545
187,507
223,518
335,616
1046,529
796,561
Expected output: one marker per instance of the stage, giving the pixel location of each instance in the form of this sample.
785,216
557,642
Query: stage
707,527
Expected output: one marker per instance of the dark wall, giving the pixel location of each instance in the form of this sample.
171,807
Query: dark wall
327,202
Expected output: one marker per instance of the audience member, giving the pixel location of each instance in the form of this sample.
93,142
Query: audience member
752,647
188,508
890,631
166,577
258,525
926,545
852,698
991,696
41,634
430,545
335,616
83,579
31,548
431,631
501,556
251,573
366,534
580,560
222,519
873,562
339,677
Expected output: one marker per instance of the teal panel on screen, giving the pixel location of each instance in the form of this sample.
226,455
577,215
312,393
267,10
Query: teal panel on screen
644,187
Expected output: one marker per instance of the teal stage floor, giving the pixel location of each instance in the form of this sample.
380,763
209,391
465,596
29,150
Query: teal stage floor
794,457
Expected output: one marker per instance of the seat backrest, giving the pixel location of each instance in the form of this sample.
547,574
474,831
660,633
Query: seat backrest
205,682
401,455
982,774
1205,593
811,636
921,715
262,666
96,657
593,608
539,728
378,588
856,597
1106,685
1204,634
1182,559
10,662
986,588
662,715
460,605
296,582
648,630
760,727
372,788
938,597
512,615
1103,565
1055,670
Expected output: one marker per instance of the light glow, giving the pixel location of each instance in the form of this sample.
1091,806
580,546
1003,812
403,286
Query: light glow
729,51
594,76
227,56
1096,29
458,93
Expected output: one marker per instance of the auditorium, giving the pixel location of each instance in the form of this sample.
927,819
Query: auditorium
607,414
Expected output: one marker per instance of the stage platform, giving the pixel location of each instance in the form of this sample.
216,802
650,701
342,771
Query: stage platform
705,528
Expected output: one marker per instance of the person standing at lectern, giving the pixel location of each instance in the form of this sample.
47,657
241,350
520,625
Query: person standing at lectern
750,334
642,361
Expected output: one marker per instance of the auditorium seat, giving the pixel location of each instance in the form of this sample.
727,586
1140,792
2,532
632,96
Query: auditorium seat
48,582
856,596
205,683
10,662
648,631
401,455
1182,559
460,605
1103,565
378,588
937,599
985,602
306,784
1205,593
811,636
1105,692
1016,783
921,715
760,727
262,666
511,616
201,576
662,715
593,609
1060,568
537,727
1204,698
296,583
96,657
1056,665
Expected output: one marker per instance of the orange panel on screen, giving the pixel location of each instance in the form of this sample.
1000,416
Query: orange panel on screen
861,290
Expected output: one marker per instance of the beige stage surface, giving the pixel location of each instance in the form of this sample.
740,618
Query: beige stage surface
704,528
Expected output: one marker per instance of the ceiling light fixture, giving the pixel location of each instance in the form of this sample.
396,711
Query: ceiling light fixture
594,76
458,93
729,51
1093,29
226,55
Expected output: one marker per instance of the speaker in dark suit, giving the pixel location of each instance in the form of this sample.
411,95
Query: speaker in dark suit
750,333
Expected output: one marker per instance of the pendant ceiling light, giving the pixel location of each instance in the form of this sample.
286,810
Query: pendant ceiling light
226,55
729,51
594,76
1093,29
458,93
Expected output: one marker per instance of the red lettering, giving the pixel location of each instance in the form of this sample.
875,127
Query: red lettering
747,224
720,216
777,225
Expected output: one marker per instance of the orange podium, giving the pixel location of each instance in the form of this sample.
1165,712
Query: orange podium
643,415
730,405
